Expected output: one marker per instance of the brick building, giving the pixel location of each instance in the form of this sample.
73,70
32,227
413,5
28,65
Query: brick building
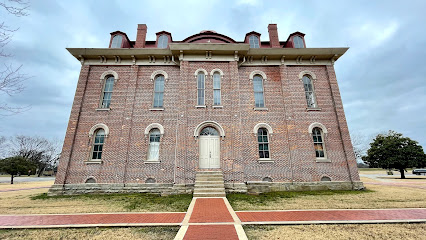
148,115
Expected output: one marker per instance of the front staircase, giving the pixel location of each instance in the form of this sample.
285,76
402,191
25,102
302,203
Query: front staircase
209,184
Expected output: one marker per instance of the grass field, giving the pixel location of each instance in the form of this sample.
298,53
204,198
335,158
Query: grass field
161,233
338,231
36,201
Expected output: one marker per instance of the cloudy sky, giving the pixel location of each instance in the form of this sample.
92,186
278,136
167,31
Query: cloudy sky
382,77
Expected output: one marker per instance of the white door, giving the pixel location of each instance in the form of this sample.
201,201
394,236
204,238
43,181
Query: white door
209,152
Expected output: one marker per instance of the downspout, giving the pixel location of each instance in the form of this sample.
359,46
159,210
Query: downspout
176,144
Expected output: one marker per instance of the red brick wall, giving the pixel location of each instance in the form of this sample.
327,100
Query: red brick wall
126,147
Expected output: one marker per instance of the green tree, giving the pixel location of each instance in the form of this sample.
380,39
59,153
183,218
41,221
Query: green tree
392,150
15,165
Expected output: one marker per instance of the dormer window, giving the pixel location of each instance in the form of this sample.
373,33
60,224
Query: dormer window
163,41
254,41
116,41
298,42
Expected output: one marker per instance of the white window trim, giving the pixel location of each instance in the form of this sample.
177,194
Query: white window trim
206,74
152,126
204,124
313,78
159,72
311,127
264,125
220,85
153,95
262,74
96,127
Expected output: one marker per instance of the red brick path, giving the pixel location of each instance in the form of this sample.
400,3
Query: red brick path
332,215
210,210
211,232
96,219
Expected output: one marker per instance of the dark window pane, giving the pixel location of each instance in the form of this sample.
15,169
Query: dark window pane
266,154
261,154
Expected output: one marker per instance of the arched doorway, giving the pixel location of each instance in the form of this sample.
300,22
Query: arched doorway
209,141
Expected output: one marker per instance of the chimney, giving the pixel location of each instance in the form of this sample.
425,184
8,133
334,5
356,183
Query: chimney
141,36
273,36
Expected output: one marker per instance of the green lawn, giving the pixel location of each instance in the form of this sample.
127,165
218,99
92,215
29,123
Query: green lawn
130,202
161,233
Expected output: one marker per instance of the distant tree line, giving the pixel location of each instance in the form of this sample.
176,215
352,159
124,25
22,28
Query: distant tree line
28,155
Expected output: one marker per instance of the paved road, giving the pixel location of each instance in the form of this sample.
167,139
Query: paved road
26,179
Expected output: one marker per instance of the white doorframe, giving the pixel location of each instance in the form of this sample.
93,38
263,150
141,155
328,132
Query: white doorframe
209,147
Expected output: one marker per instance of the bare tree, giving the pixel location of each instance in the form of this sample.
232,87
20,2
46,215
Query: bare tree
3,147
39,150
11,78
360,144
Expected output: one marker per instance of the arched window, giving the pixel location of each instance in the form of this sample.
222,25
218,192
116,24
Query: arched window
254,41
98,143
309,91
216,89
107,92
200,88
209,131
163,41
158,91
298,42
154,144
318,137
116,41
258,91
263,142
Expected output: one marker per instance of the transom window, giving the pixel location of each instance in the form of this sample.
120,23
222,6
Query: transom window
158,91
163,41
298,42
258,91
216,89
309,91
116,41
200,88
317,135
107,92
254,41
98,143
209,131
154,144
263,142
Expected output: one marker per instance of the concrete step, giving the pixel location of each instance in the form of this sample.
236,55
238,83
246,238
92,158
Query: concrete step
208,178
205,190
206,185
209,173
210,194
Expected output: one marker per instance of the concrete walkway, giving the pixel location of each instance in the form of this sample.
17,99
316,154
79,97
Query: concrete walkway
211,218
214,218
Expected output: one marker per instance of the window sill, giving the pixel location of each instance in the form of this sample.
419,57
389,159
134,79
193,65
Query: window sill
313,109
93,162
260,109
150,161
217,106
103,109
322,160
201,106
156,109
265,160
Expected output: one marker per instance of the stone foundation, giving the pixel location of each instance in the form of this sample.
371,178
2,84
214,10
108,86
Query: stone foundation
170,188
